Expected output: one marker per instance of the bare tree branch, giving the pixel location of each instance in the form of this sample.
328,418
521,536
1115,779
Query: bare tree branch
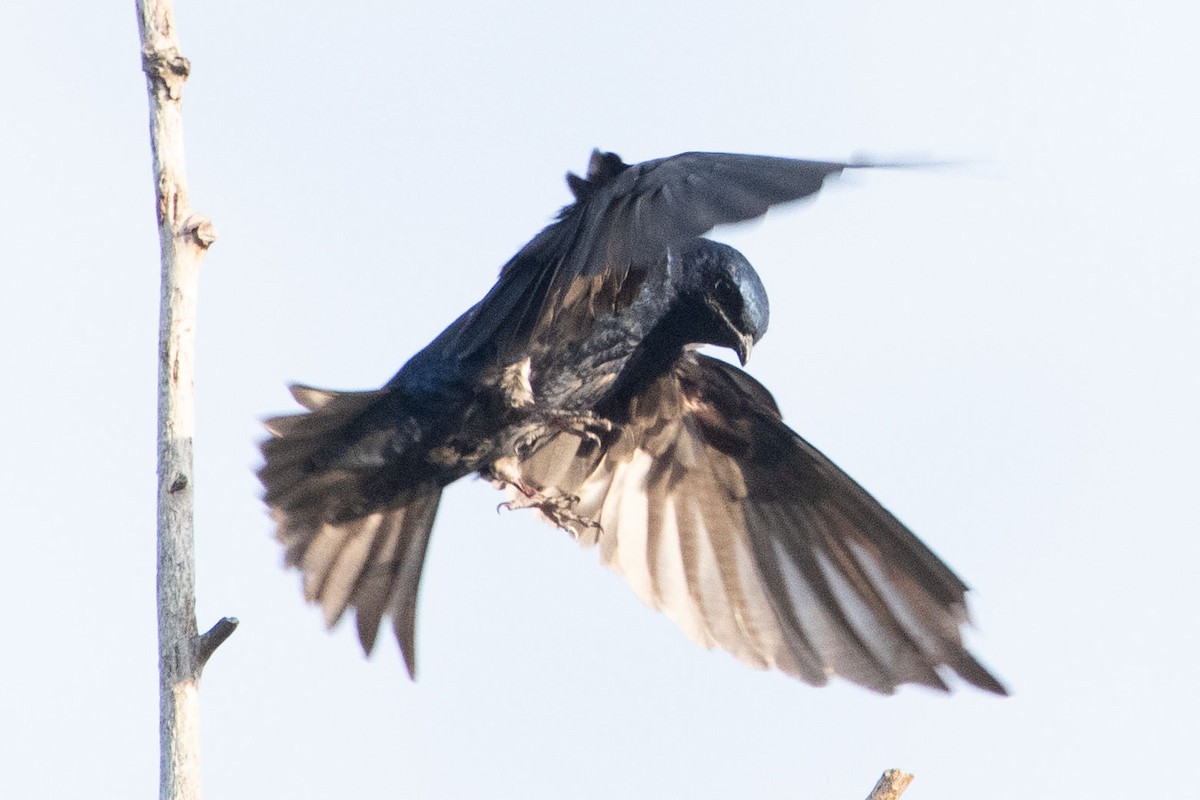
183,238
215,637
891,785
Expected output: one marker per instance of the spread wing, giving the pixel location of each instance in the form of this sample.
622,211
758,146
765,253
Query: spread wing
749,538
622,222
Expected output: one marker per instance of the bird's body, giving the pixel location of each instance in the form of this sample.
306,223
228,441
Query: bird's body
575,385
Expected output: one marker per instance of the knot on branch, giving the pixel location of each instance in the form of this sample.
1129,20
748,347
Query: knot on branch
167,69
200,230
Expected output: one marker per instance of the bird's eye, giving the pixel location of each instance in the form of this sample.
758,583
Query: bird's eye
725,289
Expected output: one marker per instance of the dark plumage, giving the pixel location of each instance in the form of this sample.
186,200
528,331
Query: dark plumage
576,386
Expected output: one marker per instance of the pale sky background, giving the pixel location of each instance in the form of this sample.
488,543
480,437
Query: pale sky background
1004,353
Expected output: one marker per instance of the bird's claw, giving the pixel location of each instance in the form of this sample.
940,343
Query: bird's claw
559,509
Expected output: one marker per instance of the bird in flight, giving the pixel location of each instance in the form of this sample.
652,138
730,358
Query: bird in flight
576,385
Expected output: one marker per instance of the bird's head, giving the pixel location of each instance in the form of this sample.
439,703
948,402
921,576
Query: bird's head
723,296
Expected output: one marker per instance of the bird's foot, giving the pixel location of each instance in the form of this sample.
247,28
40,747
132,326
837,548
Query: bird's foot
558,509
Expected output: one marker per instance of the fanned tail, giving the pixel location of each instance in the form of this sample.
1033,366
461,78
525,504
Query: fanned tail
348,520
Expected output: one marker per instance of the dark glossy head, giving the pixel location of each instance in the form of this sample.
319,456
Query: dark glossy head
726,295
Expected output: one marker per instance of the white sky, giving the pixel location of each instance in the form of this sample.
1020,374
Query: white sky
1004,353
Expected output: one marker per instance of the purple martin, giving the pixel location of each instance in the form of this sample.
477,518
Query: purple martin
575,384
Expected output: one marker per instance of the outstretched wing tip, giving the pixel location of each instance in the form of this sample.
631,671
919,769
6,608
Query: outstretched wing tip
979,676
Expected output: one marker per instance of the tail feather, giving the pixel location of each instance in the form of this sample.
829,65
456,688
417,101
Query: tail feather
355,546
313,398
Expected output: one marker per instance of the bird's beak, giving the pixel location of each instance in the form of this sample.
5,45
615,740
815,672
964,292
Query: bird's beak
744,346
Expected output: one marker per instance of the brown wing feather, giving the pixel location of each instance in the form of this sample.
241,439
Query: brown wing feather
750,539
